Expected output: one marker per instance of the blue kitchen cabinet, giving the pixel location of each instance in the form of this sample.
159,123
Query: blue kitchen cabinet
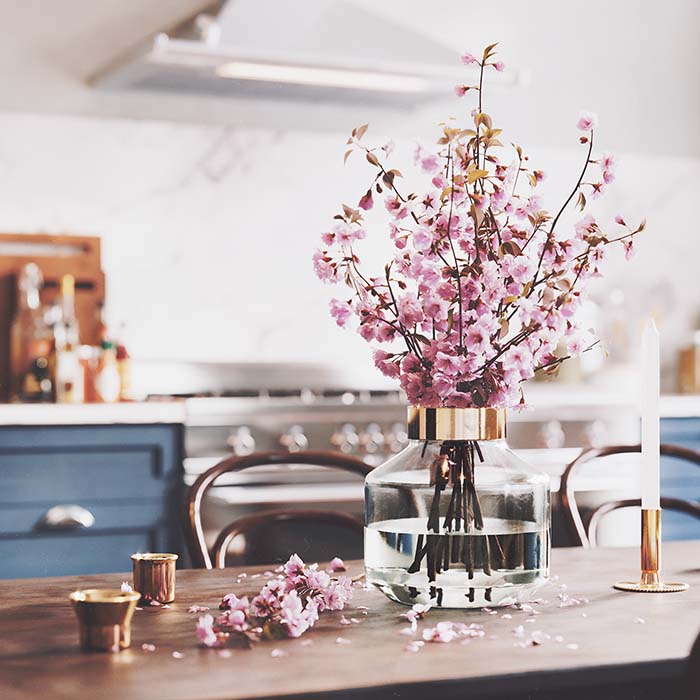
680,479
124,479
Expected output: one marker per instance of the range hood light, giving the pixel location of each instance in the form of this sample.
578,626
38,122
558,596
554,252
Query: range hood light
326,77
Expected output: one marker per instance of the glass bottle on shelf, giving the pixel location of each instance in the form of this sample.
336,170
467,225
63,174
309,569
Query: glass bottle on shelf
30,342
107,381
68,370
456,519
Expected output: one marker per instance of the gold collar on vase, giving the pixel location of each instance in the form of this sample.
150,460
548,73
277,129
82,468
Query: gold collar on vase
456,423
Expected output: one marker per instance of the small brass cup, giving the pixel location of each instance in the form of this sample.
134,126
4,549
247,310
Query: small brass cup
104,617
154,576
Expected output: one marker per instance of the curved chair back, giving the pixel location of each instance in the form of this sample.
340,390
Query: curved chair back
194,532
586,537
249,524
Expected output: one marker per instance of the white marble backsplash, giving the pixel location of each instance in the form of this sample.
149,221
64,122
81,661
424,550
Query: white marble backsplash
208,232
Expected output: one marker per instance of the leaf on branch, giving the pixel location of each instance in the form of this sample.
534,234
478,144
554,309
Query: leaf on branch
510,247
360,131
395,172
476,174
388,179
347,155
581,201
489,51
371,158
505,327
421,338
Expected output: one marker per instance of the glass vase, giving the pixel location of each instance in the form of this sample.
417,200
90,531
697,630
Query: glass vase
456,519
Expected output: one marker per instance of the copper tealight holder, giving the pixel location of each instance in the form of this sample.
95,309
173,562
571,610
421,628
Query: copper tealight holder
154,576
104,616
650,581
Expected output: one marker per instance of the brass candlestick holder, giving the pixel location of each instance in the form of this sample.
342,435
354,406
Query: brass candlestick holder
650,581
154,576
104,617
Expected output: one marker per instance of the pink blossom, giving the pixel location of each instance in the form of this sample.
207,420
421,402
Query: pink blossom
293,616
499,66
410,311
597,189
587,121
233,602
366,201
461,90
443,632
607,162
384,363
340,311
337,594
481,201
429,163
422,239
294,566
417,612
628,245
234,619
337,564
324,268
462,291
468,59
205,631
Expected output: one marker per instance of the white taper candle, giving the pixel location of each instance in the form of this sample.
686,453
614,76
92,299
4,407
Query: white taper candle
650,391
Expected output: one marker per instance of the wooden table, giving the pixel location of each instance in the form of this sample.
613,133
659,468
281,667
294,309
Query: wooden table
636,643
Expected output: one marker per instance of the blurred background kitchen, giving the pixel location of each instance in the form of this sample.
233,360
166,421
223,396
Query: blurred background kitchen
166,169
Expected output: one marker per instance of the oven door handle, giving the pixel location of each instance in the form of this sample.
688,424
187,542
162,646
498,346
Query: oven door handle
66,517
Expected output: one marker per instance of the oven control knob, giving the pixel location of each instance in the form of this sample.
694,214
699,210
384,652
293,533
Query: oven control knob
346,439
596,434
397,438
551,435
241,441
372,439
294,439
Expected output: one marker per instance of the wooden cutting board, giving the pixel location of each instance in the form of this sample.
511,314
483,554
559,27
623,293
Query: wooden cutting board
56,255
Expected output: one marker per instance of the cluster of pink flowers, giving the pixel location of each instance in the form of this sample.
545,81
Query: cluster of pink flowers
287,606
484,286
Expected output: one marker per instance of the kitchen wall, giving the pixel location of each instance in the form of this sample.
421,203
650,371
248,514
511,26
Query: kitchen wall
208,231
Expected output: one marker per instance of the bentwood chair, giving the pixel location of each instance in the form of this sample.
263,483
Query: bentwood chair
246,526
585,534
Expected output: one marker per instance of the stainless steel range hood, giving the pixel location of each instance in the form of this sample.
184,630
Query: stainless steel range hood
308,50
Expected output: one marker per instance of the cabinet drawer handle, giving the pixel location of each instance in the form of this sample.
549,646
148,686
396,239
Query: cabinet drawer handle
69,517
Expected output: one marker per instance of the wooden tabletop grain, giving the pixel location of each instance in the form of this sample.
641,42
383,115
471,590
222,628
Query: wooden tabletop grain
613,639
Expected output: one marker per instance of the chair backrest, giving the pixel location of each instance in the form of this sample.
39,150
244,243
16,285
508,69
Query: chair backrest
194,532
247,525
567,494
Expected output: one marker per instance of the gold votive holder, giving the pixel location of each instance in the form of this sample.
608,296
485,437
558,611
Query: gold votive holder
104,618
650,579
154,576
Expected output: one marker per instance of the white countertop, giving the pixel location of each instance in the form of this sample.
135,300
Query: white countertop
562,403
93,413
